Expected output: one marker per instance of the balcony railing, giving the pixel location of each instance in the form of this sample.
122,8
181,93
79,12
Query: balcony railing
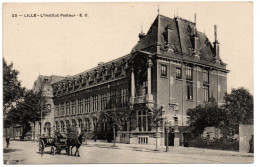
139,99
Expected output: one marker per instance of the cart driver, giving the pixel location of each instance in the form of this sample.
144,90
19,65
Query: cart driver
58,135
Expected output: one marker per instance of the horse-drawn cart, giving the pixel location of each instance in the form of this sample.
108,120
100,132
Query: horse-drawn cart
56,145
59,143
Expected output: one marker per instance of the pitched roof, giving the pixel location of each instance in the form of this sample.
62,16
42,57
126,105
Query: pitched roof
40,81
179,38
119,62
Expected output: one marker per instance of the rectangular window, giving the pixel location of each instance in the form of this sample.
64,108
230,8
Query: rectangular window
124,97
80,102
143,121
95,103
109,100
178,73
189,73
189,91
163,70
103,101
73,111
206,93
206,77
68,108
57,111
87,104
117,98
113,99
61,110
143,139
77,107
64,109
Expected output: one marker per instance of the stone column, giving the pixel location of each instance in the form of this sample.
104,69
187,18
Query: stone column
149,96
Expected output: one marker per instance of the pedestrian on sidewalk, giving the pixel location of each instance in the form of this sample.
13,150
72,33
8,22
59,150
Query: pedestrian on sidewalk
7,141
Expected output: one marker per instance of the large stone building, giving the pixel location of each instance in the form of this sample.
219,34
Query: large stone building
172,68
44,84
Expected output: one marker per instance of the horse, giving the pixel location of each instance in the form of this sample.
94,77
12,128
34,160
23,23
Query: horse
74,142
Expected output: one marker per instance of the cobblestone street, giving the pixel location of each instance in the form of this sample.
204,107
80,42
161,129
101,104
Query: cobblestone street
26,152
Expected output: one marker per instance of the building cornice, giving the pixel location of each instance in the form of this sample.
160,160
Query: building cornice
197,63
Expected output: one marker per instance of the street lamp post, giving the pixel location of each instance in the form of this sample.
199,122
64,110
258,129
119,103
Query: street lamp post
167,128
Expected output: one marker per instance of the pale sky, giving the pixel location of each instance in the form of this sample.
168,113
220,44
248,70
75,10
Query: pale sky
67,46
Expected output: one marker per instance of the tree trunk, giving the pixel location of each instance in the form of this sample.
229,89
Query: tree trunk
33,131
114,132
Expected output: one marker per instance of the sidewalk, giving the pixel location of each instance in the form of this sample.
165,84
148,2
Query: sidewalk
26,152
172,150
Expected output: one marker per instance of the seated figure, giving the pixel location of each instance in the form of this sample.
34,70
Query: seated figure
59,137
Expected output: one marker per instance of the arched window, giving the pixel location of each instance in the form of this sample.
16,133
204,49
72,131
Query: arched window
67,124
80,124
47,129
95,123
87,124
57,125
103,124
74,124
62,126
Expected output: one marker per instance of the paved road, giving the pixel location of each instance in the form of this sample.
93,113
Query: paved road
25,152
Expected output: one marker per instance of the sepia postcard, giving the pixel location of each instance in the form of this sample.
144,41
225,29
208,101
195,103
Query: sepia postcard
128,83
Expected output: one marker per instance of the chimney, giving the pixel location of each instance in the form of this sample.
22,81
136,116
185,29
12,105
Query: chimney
141,35
195,37
216,43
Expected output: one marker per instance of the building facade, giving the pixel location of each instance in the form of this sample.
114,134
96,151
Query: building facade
172,68
45,126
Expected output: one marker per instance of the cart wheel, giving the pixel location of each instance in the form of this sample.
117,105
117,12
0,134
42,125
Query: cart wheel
52,150
41,146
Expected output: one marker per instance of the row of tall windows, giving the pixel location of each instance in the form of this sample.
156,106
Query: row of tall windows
62,126
189,79
114,99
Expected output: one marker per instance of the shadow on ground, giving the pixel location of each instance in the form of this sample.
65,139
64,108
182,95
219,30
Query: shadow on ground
9,150
13,162
131,148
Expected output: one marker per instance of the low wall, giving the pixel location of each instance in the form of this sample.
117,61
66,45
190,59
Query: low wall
246,133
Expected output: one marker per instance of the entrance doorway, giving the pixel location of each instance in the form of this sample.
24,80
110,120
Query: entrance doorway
170,138
47,129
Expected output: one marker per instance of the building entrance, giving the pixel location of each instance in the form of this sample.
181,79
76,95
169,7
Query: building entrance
170,139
